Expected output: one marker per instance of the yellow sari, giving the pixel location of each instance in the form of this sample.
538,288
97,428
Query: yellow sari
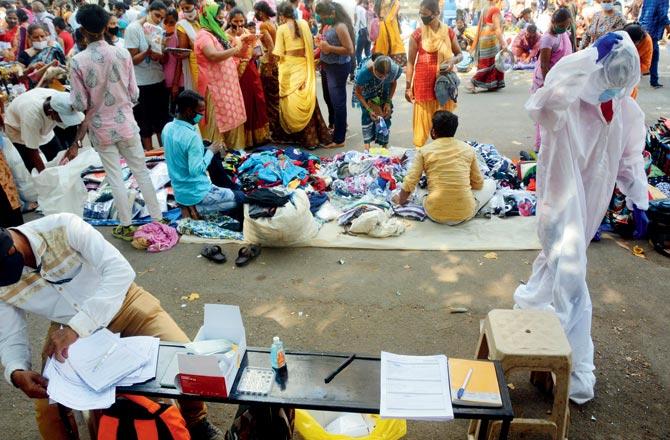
297,77
389,42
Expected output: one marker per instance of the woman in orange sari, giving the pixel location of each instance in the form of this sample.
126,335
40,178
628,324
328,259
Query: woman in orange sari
257,128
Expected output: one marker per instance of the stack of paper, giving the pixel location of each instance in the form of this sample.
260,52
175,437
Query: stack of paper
96,365
415,387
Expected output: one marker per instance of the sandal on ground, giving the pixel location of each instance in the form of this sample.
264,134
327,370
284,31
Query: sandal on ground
333,145
213,253
246,254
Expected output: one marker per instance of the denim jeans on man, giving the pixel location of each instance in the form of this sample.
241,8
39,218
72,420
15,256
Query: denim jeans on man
653,69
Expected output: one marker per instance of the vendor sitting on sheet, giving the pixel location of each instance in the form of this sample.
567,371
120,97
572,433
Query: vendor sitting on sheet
187,160
526,45
456,187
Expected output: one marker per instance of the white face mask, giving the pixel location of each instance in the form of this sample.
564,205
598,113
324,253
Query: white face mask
190,16
39,45
607,6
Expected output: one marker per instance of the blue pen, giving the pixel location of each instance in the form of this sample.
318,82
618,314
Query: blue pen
461,390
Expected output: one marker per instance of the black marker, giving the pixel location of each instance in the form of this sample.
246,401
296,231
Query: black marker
344,365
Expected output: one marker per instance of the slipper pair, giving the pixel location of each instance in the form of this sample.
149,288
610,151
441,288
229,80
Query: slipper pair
245,255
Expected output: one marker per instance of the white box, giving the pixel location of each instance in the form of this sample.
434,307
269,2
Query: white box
214,375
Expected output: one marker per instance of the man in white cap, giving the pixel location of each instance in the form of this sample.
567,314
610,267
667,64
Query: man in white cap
30,120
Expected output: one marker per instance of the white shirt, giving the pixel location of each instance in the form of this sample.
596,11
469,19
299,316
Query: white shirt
361,19
25,120
81,281
72,21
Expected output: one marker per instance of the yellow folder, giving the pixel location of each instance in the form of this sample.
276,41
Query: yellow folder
481,390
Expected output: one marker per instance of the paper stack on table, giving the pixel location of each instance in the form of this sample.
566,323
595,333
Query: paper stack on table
415,387
96,365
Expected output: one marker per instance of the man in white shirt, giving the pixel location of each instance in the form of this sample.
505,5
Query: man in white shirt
61,268
361,30
72,21
30,120
45,19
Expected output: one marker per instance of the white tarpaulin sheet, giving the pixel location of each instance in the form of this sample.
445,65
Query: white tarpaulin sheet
495,234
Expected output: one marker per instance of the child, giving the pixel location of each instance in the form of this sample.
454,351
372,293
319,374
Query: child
174,81
456,187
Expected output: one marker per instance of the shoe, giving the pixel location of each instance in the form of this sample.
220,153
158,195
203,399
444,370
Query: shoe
656,86
124,232
204,430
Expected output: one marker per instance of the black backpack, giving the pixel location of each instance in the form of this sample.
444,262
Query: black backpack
659,225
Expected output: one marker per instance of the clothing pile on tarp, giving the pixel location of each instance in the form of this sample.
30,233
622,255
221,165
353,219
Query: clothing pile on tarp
619,219
100,210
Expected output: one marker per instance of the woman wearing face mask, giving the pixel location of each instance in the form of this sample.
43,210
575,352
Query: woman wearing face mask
489,42
8,34
42,53
218,82
187,30
433,48
112,32
607,20
375,85
337,49
257,127
554,45
152,110
299,113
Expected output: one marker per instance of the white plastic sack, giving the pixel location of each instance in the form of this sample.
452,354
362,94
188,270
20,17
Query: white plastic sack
292,224
60,188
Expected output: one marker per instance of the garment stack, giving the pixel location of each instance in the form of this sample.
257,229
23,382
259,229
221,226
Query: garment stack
619,219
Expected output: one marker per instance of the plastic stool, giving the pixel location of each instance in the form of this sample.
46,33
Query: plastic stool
528,340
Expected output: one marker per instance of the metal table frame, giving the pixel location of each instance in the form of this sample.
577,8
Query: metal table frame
328,403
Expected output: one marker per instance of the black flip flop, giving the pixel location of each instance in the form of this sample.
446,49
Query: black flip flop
214,253
246,254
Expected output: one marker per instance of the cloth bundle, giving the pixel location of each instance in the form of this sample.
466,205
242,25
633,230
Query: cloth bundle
155,237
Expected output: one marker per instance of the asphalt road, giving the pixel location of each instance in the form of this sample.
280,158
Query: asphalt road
400,301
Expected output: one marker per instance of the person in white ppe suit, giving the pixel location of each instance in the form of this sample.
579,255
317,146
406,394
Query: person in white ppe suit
593,135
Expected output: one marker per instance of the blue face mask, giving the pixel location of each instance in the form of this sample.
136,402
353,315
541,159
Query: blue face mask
197,118
609,94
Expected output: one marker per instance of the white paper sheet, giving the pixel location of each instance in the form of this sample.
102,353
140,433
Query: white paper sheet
145,345
103,359
67,388
415,387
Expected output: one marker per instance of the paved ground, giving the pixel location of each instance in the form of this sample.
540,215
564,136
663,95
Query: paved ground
399,301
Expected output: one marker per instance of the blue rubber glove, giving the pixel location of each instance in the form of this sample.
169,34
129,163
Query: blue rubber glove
641,222
605,44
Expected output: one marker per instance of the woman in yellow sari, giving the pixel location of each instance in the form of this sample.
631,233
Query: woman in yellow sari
389,42
299,113
433,48
187,31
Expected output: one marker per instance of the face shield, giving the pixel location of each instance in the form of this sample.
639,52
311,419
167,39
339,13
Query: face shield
619,74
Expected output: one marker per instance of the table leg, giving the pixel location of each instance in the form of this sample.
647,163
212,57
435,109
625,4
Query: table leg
504,429
483,430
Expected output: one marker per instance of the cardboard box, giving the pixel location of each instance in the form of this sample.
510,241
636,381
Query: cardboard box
214,375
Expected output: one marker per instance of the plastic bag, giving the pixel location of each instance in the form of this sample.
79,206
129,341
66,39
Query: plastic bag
310,425
61,188
291,225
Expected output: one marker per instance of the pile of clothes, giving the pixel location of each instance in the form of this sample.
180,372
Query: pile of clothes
619,219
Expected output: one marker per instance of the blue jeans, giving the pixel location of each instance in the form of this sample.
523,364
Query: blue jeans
216,201
362,45
653,70
337,75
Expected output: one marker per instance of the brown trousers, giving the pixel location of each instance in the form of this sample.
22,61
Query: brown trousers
141,314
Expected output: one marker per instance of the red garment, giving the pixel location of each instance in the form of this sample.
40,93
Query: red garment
68,41
425,71
254,98
608,111
488,19
9,34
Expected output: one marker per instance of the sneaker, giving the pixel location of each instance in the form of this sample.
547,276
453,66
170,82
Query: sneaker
656,86
124,232
204,430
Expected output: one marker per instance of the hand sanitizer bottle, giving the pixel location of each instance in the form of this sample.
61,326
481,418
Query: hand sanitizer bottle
277,356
